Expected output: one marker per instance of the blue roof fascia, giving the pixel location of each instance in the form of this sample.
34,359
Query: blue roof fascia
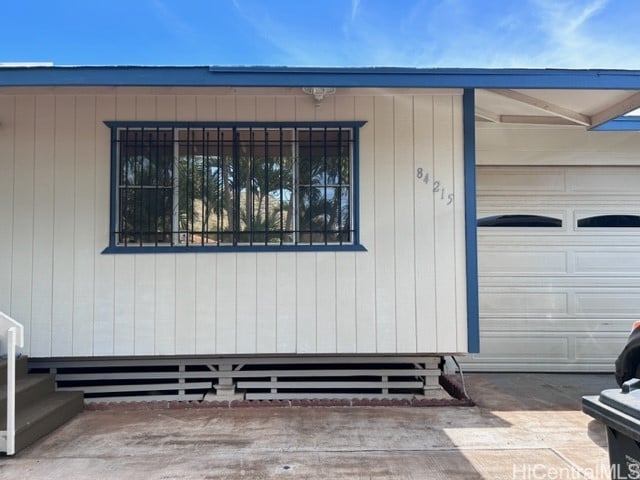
628,123
320,76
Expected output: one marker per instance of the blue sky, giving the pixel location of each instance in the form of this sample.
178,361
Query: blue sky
420,33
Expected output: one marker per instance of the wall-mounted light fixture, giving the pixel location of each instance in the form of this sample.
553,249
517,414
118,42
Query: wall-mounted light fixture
319,93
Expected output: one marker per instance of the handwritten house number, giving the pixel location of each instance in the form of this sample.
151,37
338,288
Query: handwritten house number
437,186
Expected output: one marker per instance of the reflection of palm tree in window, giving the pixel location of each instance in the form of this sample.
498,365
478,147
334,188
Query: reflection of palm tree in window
241,189
145,193
324,210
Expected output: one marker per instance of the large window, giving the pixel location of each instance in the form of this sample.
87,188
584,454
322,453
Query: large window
239,186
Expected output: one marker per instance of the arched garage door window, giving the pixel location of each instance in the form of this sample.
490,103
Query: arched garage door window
610,221
519,220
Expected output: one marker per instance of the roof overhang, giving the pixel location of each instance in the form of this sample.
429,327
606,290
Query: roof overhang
588,108
587,98
311,76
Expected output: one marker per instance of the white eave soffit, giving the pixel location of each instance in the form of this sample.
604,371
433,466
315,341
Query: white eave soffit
586,108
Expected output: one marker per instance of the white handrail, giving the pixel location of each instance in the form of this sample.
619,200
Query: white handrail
13,334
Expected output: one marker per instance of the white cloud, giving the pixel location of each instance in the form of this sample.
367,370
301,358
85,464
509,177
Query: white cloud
287,48
564,18
173,24
446,33
567,38
354,9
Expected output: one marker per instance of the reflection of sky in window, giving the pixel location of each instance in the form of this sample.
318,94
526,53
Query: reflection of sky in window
137,163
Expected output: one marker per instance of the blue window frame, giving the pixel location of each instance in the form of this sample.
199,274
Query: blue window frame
237,186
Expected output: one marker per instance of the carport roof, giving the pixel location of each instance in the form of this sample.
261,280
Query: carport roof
589,98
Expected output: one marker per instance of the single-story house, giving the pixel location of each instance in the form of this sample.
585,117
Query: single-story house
211,218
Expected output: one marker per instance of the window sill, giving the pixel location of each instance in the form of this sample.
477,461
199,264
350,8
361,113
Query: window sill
234,249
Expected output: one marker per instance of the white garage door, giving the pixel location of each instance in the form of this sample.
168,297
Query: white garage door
559,266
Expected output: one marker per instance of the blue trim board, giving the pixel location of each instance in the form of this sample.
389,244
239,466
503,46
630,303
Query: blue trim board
113,188
355,180
318,76
235,248
629,123
469,134
226,124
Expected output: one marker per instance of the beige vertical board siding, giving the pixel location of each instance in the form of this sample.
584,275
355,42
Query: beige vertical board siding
266,266
63,227
286,284
404,227
345,282
84,253
326,269
146,107
246,298
285,108
124,306
385,261
286,295
103,321
185,108
145,264
226,312
165,108
225,108
226,265
307,291
345,288
226,303
306,319
246,281
266,302
7,180
82,302
205,303
185,333
460,237
326,302
185,314
205,108
165,304
366,334
23,213
265,106
205,266
41,296
124,267
426,326
444,227
144,303
165,310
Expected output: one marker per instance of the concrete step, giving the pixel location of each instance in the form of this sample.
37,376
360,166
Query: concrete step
51,411
29,389
39,408
22,368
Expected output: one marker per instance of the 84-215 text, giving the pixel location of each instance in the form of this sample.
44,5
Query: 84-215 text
437,186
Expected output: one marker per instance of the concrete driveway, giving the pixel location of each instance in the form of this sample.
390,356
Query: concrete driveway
526,427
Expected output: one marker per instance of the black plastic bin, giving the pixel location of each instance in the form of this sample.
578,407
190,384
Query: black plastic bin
619,410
